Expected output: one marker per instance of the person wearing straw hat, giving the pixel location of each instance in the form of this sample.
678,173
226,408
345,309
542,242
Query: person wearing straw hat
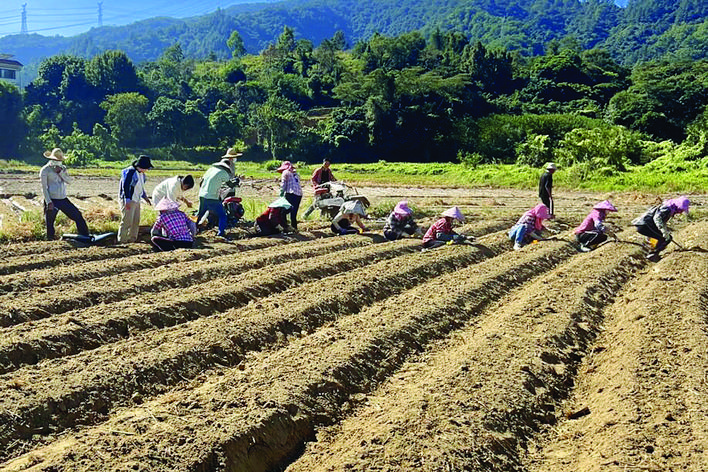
591,231
230,158
441,232
275,219
172,229
350,213
131,190
400,221
290,189
653,223
529,226
54,179
173,188
216,176
545,186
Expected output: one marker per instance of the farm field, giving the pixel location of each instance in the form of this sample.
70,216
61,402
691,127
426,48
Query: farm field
320,353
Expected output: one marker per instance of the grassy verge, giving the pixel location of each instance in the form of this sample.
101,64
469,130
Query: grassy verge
638,178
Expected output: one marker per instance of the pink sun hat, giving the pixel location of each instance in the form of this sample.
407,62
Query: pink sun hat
286,165
605,205
167,205
455,213
402,209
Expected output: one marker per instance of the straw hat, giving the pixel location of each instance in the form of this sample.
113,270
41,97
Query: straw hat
56,154
232,153
167,205
455,213
550,166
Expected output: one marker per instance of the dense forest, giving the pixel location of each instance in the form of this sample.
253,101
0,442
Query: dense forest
643,30
415,96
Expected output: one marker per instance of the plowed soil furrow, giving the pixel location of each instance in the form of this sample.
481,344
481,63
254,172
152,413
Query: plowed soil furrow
474,402
70,256
87,328
90,270
254,417
10,250
63,298
143,365
644,389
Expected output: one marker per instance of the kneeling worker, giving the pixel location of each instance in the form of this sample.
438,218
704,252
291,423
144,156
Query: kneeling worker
591,231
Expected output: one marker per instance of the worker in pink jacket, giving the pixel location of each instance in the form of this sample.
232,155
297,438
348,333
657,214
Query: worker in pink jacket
529,226
441,232
591,231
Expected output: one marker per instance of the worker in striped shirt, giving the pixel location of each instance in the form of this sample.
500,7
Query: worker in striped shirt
290,189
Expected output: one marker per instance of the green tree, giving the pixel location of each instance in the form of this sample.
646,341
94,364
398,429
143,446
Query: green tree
235,44
10,119
126,117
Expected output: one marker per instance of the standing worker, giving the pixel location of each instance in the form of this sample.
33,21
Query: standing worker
545,187
323,174
132,189
230,159
290,189
173,189
652,223
591,231
217,174
54,178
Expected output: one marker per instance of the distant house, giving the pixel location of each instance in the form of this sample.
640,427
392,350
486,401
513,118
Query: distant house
10,70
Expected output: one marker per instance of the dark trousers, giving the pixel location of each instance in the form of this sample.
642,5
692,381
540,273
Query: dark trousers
160,243
70,211
214,206
546,200
591,238
392,235
294,200
651,231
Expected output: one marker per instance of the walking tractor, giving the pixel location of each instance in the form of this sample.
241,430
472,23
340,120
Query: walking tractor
330,196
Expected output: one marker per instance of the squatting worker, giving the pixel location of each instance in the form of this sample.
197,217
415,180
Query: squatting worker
529,226
54,179
173,188
652,223
350,213
275,219
323,174
400,221
591,231
441,232
290,189
172,229
545,186
132,189
217,174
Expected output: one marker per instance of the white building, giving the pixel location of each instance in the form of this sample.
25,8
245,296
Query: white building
10,70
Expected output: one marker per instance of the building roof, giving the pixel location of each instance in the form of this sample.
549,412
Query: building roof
10,62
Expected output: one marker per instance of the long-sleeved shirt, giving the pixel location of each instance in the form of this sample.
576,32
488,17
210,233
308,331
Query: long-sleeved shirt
545,185
174,225
132,185
397,225
271,219
658,215
169,188
53,182
290,182
593,222
322,175
440,226
212,181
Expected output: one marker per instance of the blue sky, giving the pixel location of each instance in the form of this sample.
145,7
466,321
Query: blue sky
70,17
